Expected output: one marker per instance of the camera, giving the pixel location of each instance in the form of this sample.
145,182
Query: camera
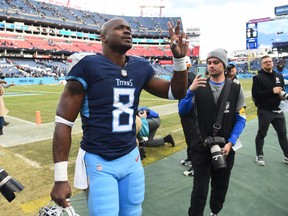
9,185
214,143
284,95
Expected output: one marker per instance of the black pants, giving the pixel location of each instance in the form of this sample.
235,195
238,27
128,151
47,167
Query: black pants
187,123
203,173
154,124
1,124
265,118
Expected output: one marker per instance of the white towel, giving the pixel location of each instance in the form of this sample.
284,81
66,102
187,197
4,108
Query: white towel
80,176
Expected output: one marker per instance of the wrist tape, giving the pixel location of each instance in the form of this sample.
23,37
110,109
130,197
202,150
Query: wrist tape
179,64
60,171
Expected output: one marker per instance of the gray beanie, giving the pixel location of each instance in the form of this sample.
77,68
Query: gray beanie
220,54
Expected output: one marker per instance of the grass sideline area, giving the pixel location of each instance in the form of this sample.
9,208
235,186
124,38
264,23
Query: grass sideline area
31,164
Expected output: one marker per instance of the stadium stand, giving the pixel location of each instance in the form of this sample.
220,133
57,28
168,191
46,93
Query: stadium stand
37,30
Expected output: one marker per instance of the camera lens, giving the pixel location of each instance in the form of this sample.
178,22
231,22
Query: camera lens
284,94
9,185
218,159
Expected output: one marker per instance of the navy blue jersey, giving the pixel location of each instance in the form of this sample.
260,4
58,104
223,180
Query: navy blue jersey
111,102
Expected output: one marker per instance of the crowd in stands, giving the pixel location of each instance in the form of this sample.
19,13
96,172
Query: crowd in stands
41,11
53,15
38,36
54,44
45,21
253,66
16,68
54,68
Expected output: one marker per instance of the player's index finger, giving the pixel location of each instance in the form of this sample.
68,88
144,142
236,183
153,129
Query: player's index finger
177,28
170,28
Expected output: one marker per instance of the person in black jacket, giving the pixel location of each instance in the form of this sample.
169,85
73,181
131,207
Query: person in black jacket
205,96
267,92
187,123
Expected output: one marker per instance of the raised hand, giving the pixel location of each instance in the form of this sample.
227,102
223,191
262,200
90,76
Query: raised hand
198,82
178,41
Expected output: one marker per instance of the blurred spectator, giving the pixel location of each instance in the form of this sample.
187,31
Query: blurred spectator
280,68
231,72
154,123
187,122
5,123
3,110
142,132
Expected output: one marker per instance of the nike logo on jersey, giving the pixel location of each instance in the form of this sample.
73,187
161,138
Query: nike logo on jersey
137,158
99,167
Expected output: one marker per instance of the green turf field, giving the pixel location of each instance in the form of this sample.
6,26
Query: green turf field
32,163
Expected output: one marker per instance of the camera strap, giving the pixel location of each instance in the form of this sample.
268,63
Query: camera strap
197,126
226,89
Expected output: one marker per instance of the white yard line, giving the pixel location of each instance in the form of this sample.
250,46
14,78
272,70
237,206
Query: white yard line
29,162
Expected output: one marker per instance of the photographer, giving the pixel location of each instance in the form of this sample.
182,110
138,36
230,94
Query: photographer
268,91
154,123
212,149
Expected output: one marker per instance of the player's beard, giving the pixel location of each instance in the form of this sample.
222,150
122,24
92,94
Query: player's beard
268,68
215,74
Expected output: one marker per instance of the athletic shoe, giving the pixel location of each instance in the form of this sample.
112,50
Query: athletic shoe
190,172
169,139
285,160
213,214
260,160
186,162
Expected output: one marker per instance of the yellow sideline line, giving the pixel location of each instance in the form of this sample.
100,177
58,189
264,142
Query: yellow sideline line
156,99
34,205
